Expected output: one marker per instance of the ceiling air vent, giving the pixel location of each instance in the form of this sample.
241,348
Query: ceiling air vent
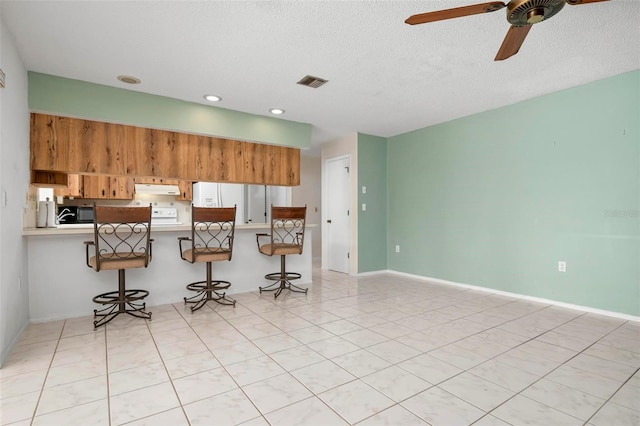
311,81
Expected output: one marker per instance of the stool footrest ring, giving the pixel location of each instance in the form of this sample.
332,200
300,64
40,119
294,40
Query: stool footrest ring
288,276
120,305
206,292
282,282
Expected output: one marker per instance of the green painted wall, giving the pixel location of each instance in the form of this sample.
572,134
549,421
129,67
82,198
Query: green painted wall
57,95
498,198
372,223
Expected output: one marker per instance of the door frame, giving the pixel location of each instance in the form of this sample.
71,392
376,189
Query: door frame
325,212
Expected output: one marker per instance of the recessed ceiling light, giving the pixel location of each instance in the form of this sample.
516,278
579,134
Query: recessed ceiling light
129,79
212,98
276,111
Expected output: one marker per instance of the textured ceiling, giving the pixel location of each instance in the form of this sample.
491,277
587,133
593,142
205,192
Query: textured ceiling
385,77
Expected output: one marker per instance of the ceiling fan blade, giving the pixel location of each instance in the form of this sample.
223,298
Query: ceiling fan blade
512,42
578,2
456,12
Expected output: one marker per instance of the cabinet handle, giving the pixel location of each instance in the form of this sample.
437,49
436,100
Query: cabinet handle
328,220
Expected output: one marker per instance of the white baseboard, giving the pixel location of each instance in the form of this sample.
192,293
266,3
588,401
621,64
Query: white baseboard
509,294
366,274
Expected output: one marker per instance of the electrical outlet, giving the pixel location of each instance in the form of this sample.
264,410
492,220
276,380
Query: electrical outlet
562,266
364,189
364,207
397,249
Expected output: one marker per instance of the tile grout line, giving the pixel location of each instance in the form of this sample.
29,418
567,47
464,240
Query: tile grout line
55,350
106,355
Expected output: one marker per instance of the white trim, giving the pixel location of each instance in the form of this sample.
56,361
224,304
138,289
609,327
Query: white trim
366,274
509,294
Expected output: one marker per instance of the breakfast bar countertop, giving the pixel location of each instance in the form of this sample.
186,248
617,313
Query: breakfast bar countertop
87,228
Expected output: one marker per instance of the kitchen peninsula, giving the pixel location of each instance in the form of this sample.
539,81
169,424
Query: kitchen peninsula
62,286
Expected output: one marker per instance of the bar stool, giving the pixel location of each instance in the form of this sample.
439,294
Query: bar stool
122,240
212,230
287,237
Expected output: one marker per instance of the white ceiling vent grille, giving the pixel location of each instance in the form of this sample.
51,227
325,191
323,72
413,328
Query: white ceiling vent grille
311,81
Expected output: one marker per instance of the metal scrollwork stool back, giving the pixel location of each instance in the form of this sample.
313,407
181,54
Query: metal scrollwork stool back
287,237
122,240
212,230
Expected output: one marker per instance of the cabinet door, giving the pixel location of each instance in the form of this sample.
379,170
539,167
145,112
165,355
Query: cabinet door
73,189
49,143
121,188
186,190
96,186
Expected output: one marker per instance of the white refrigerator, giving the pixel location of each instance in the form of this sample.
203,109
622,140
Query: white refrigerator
211,194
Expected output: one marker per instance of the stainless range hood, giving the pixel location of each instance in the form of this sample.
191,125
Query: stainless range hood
154,189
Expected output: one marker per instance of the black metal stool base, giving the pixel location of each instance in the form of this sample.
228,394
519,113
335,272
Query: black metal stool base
283,282
120,302
208,291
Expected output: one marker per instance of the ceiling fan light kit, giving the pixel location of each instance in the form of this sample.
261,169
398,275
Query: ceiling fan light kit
521,14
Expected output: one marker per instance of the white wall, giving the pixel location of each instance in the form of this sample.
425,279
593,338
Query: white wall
309,192
14,185
346,145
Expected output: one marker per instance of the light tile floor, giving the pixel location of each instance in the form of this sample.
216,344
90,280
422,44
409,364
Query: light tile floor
375,350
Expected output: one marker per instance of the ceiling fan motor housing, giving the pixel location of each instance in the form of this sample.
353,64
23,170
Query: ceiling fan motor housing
528,12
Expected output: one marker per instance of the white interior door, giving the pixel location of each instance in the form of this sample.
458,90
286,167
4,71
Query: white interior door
338,227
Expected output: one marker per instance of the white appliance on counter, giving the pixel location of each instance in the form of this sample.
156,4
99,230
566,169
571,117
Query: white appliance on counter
207,194
46,217
164,216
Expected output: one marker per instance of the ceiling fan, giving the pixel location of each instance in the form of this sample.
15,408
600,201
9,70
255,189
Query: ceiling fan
521,14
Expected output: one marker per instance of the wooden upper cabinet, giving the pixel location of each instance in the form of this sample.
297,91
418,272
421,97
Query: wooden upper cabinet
74,187
254,165
85,146
49,143
121,188
187,160
186,190
77,146
164,149
139,154
96,187
108,187
274,164
290,167
113,157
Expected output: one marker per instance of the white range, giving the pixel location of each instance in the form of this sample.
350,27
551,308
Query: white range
164,216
